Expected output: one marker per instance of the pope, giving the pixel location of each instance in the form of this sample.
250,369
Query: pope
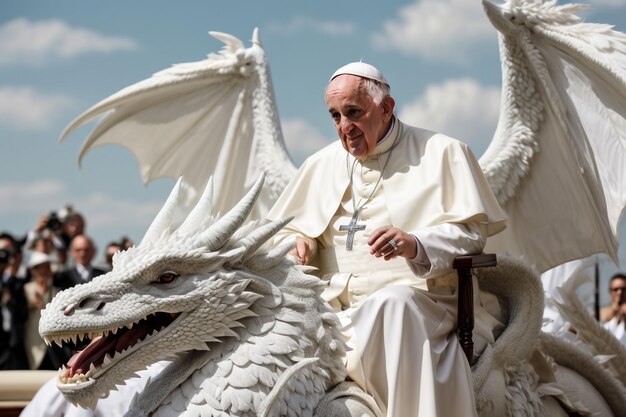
382,213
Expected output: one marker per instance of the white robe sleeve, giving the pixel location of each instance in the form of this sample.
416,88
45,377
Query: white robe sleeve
438,246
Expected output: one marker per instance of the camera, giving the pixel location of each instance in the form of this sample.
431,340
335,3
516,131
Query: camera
5,256
54,223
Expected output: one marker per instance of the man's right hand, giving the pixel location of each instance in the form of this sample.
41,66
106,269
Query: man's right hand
42,223
305,250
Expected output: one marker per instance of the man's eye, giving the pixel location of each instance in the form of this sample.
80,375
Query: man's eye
167,277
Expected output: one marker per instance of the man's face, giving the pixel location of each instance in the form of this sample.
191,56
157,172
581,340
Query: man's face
359,121
82,250
74,225
44,245
618,290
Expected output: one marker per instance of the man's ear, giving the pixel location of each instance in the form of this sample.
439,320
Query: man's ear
388,104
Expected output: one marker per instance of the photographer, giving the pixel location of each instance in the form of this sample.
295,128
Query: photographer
50,237
616,323
13,310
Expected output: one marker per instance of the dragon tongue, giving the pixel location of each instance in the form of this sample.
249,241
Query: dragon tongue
93,353
98,348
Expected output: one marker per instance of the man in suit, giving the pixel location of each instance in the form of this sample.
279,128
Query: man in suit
82,251
13,310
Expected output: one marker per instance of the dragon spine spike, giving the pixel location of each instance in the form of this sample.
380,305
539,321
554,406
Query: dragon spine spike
256,39
231,43
164,217
200,212
222,230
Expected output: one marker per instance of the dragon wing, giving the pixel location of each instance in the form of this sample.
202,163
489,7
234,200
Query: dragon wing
212,117
557,162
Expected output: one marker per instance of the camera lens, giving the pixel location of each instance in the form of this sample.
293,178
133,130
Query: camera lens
54,223
5,256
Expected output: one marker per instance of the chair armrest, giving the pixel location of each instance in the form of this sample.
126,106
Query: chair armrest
465,314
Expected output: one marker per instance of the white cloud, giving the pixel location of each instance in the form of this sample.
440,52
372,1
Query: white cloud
24,109
436,29
107,217
302,139
26,42
303,23
32,197
105,211
608,3
460,108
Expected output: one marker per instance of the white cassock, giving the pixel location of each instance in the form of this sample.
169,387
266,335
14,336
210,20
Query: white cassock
400,316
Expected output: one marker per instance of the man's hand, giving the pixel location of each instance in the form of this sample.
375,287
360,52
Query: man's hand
305,249
406,246
42,223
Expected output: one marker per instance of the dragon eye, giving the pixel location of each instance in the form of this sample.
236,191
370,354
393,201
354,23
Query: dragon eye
167,277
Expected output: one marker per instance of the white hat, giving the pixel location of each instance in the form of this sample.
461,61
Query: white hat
361,69
38,258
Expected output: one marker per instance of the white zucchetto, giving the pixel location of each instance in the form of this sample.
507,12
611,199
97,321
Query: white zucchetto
361,69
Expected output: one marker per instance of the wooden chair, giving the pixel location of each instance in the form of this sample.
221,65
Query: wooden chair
465,314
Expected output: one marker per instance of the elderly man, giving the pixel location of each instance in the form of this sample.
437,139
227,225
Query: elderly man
383,213
82,250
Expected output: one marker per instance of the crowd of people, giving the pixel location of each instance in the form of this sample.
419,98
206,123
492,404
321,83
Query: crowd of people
56,254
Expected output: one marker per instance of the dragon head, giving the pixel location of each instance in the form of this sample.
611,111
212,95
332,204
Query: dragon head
515,15
177,291
234,59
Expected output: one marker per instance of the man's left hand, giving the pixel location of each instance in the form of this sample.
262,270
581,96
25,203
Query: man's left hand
380,246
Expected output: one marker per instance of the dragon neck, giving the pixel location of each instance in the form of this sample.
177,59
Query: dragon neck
253,360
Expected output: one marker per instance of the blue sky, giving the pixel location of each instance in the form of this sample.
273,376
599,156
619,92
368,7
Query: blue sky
59,58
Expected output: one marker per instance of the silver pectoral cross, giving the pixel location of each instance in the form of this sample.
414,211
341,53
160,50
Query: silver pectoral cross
352,228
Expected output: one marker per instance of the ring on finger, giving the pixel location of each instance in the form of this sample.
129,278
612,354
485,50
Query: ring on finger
393,244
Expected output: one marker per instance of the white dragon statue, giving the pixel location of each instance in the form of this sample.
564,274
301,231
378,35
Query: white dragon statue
560,141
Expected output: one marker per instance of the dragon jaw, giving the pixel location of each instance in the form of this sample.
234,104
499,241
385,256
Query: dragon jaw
129,340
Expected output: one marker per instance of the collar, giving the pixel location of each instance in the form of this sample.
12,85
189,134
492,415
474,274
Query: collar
83,270
387,141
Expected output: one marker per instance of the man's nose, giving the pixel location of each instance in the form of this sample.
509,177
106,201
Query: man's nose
345,125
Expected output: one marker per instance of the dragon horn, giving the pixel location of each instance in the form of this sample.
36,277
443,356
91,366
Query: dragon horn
163,219
200,212
223,229
256,239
